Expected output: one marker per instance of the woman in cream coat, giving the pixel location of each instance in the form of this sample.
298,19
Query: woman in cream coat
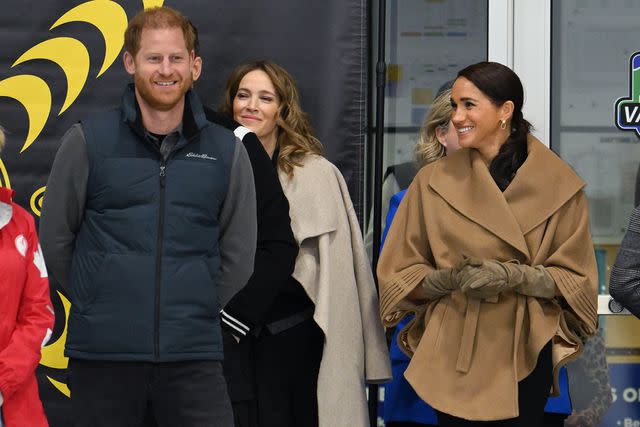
332,267
491,250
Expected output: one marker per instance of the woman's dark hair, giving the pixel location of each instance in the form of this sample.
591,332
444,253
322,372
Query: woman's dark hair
500,84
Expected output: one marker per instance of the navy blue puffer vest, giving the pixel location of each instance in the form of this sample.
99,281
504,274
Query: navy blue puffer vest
146,258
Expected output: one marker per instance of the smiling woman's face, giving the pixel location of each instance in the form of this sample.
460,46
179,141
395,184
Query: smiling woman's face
256,105
475,117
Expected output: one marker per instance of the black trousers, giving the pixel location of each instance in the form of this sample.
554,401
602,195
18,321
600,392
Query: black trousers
283,369
548,420
407,424
189,394
533,392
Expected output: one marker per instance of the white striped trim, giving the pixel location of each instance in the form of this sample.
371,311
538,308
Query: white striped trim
241,132
233,326
230,318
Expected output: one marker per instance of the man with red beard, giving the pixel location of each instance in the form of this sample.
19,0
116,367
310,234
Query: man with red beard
149,223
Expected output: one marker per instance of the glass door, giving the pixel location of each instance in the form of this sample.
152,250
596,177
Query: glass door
427,43
592,41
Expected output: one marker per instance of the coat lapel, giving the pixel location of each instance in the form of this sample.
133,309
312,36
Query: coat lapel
541,186
464,181
311,215
545,179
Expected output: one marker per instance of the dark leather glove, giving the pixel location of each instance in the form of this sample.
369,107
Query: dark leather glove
488,278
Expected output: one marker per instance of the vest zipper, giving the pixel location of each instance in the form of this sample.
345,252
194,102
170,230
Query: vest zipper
156,330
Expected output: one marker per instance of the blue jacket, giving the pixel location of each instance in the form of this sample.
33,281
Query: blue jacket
401,403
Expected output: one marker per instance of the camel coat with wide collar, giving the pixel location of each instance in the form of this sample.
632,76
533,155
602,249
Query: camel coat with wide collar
334,270
469,354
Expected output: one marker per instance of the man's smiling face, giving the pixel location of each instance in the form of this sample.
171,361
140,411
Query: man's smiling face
162,68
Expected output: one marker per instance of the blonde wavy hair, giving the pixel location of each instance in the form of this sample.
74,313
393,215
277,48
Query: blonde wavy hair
428,148
295,136
2,139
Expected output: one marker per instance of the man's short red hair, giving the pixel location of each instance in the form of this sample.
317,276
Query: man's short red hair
157,18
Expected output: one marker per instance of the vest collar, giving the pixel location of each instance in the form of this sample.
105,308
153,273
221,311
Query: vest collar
540,187
193,119
6,208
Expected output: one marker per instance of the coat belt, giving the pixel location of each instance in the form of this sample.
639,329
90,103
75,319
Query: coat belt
467,342
469,330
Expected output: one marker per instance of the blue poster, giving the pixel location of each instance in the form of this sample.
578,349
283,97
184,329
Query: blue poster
625,393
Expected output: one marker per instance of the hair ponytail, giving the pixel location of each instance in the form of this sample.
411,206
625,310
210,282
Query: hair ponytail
513,152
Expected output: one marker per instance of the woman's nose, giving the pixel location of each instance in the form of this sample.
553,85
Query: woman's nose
252,104
457,116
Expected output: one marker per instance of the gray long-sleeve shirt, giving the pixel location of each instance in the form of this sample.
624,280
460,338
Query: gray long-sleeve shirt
64,204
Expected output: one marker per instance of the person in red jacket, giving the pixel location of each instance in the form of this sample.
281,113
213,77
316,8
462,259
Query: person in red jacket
26,315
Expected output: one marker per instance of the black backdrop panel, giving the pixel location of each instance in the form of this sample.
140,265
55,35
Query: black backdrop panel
321,43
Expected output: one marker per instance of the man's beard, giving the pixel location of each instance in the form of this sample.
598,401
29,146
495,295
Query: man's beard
161,103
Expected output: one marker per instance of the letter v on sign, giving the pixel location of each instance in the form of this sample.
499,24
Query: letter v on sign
627,111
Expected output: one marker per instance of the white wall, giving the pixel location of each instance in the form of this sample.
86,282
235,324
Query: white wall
520,38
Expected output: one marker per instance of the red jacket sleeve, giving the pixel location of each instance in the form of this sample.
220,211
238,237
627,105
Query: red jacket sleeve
34,323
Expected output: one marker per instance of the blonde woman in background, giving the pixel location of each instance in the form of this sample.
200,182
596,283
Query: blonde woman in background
434,139
437,138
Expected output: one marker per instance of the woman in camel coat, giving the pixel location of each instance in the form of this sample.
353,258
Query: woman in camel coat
491,250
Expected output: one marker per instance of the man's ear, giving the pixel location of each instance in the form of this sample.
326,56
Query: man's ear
196,70
129,63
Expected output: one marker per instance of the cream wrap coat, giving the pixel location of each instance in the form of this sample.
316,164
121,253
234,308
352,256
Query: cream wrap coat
334,270
469,354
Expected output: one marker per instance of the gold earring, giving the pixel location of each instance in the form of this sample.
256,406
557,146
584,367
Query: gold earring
503,124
